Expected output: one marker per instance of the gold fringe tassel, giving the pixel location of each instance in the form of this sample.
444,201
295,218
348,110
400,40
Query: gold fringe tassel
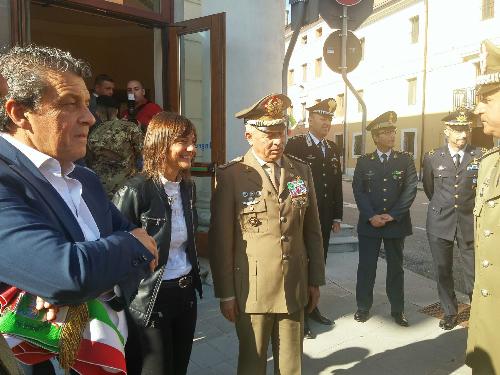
71,334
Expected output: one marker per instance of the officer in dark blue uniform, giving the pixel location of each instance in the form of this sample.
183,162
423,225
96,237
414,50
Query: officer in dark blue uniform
384,186
323,156
450,179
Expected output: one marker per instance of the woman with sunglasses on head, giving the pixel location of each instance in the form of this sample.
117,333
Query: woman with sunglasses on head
161,200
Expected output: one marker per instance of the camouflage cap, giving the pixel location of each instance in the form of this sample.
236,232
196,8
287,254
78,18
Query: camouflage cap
385,121
268,111
325,107
489,65
461,117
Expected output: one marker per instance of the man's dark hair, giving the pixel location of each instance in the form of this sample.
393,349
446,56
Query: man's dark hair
25,70
100,78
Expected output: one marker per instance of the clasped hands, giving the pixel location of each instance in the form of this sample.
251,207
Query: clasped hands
379,221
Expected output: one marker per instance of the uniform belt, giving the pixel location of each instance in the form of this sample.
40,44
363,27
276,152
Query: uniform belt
181,282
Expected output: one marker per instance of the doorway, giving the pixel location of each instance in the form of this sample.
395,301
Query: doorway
122,49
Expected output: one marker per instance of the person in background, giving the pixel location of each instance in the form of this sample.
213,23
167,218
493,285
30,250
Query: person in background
114,147
143,109
162,200
103,86
449,180
384,187
323,156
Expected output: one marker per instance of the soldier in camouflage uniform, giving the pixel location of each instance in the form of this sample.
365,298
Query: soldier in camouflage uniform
114,147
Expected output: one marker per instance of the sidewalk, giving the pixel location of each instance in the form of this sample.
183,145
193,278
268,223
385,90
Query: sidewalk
378,347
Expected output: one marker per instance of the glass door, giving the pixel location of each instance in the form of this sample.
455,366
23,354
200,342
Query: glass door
196,89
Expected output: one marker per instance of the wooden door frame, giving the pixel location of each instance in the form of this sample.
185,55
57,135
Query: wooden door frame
20,10
216,25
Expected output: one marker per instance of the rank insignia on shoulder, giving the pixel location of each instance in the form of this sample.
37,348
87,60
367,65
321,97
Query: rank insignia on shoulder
229,163
431,152
296,158
312,157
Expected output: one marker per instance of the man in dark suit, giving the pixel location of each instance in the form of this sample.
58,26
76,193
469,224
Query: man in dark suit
323,157
450,179
60,237
384,186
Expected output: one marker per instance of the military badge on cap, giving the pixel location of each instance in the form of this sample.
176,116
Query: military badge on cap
384,121
489,66
268,111
462,117
325,107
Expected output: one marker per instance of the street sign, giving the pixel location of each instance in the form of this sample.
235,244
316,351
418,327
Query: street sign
348,3
332,51
358,12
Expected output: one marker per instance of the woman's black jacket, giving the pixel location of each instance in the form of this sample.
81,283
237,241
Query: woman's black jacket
144,202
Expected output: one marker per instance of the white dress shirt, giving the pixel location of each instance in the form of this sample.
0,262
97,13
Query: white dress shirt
453,153
388,153
178,262
316,141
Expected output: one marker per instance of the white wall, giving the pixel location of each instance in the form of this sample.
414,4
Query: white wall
255,48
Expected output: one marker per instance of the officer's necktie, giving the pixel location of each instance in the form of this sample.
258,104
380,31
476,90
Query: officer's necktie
322,147
384,159
457,160
273,172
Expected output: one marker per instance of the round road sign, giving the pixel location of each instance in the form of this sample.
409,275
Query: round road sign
348,3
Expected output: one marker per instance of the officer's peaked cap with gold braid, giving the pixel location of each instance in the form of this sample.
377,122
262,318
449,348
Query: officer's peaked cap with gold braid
268,111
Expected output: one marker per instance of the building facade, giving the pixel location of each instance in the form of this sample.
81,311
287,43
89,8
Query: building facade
420,59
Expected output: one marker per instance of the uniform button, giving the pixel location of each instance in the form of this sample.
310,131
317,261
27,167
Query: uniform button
456,206
135,262
487,232
485,263
491,204
323,164
283,219
456,195
285,257
384,189
484,292
283,238
326,185
251,208
280,200
385,199
236,268
324,174
385,179
456,176
456,186
326,195
385,209
144,258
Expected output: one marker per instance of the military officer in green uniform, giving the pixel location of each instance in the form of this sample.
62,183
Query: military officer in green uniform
114,146
384,186
266,250
323,156
483,344
449,180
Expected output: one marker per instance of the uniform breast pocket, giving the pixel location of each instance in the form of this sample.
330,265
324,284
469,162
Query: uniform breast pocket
152,224
253,217
443,176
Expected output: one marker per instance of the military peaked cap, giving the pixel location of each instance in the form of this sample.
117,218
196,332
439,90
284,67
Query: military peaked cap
325,107
489,65
462,117
384,121
107,101
268,111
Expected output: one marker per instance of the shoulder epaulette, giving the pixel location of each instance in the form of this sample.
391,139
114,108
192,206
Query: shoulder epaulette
489,152
367,155
293,157
229,163
431,152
